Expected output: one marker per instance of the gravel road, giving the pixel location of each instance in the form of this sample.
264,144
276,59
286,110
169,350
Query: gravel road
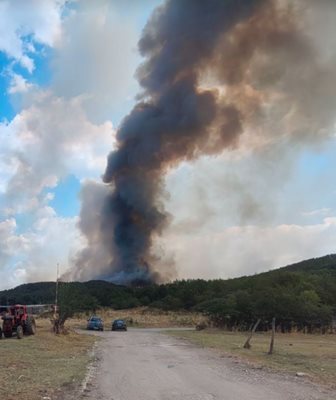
144,364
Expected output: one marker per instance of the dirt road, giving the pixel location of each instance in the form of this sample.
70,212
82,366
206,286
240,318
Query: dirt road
148,365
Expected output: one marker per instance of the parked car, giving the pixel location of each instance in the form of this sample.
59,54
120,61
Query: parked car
95,324
119,325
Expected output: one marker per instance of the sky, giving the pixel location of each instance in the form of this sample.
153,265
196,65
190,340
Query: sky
67,80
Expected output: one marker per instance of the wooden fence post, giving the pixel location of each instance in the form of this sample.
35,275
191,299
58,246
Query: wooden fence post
247,343
272,338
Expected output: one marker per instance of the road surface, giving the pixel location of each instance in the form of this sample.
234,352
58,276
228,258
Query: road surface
144,364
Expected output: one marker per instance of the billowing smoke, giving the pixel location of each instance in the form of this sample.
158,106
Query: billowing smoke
218,74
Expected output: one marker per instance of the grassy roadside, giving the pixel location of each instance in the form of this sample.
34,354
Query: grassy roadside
314,355
43,365
144,317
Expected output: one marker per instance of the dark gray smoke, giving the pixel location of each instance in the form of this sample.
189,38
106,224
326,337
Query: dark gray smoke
213,70
171,123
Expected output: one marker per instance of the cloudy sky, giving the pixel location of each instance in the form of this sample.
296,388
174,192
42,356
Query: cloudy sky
67,80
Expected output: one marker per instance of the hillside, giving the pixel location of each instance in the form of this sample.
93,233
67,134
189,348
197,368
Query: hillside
301,295
313,264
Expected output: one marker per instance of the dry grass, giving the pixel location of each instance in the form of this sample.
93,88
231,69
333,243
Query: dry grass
42,365
314,355
144,317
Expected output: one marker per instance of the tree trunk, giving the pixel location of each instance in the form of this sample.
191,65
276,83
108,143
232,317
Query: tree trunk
247,343
56,327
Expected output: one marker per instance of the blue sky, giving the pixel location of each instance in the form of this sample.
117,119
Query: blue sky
7,109
67,80
66,202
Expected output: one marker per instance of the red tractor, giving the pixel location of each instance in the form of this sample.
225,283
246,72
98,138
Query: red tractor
16,320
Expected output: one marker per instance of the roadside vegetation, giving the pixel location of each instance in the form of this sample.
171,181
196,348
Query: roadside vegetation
143,317
44,365
311,355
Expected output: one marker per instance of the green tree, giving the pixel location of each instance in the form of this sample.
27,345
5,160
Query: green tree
74,298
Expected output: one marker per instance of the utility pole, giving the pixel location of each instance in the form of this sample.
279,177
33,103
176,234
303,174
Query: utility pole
56,311
56,294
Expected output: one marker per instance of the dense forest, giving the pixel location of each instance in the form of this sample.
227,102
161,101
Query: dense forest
300,296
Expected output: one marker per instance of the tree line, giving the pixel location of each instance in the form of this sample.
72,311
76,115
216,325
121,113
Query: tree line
300,296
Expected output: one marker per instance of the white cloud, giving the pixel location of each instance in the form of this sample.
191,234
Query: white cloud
7,229
317,212
18,84
98,57
39,19
45,142
33,255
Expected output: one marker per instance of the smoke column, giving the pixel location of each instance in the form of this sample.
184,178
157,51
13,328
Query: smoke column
171,123
213,71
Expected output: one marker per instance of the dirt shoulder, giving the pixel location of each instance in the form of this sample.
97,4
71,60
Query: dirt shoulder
43,366
312,356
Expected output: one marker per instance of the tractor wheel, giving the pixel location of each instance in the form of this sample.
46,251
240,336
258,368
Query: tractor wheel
30,326
19,332
8,333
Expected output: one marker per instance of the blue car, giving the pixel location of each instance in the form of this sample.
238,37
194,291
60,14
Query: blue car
119,325
95,324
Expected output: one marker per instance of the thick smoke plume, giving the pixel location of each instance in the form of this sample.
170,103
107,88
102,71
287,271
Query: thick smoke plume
218,74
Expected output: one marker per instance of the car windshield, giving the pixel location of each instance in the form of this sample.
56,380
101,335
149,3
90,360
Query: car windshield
95,319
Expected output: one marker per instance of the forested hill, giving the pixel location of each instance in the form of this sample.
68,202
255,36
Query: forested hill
302,294
314,265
